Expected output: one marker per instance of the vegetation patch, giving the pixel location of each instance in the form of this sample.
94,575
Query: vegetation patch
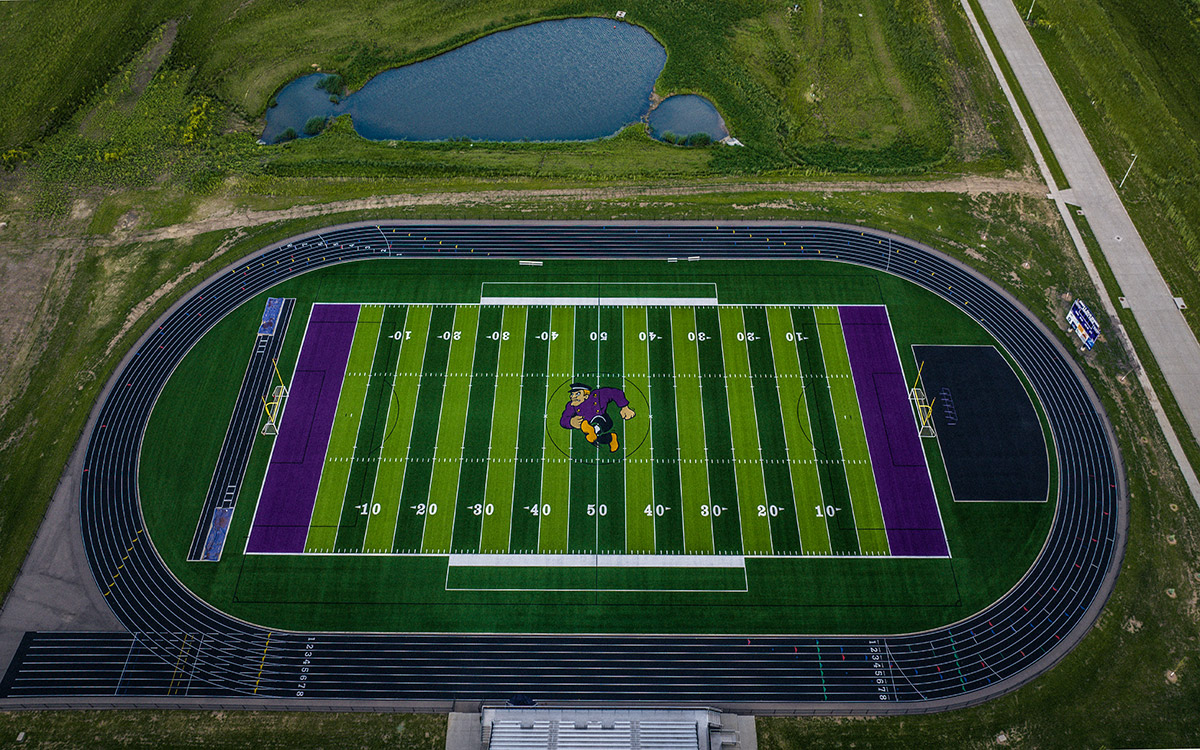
314,126
268,730
856,87
1120,65
334,84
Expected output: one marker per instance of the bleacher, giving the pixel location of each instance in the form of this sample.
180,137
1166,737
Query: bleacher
545,728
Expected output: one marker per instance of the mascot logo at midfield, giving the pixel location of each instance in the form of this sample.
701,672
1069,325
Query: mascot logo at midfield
588,411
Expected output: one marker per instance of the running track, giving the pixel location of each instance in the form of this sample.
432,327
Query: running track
179,647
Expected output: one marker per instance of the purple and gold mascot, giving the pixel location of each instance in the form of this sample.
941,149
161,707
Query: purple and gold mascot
588,411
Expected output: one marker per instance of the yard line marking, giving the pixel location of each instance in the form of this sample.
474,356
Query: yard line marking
704,428
429,339
650,432
391,402
757,431
692,442
836,431
512,511
596,459
788,447
740,396
448,540
637,471
566,345
320,531
493,494
350,536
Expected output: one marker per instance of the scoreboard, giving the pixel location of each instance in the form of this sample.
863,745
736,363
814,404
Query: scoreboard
1081,319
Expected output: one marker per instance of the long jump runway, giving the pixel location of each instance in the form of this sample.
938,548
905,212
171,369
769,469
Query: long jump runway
180,647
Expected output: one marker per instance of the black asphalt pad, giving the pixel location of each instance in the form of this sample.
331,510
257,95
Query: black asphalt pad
990,436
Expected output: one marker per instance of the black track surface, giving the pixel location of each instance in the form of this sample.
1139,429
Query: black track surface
178,645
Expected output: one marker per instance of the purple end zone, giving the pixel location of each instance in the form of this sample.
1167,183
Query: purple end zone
290,488
910,510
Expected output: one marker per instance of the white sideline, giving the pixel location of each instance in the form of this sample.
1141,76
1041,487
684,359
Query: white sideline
467,560
603,301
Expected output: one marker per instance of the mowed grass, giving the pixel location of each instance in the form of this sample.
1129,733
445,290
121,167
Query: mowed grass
215,730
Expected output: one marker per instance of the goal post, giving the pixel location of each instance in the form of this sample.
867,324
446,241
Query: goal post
922,406
273,407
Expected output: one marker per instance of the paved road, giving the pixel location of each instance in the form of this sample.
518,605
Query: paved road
1171,341
178,647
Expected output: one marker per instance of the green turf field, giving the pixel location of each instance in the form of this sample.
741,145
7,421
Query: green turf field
741,496
440,404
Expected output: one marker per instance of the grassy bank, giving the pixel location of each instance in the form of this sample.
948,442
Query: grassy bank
868,86
1127,69
213,730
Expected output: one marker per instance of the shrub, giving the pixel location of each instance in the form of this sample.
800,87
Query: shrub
332,83
287,135
314,125
698,139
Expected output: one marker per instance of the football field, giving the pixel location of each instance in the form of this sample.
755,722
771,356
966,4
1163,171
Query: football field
756,430
671,445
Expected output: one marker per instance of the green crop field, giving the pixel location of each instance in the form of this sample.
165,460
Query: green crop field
741,494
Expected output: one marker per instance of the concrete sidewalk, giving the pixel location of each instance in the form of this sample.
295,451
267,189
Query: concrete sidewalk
1171,341
55,589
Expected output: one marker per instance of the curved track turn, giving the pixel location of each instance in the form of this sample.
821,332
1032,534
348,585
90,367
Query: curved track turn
994,651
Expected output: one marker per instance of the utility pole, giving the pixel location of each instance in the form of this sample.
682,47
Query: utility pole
1030,13
1127,171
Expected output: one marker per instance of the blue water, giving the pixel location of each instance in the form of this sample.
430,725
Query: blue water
685,115
569,80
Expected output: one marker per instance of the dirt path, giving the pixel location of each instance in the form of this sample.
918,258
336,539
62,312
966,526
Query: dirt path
223,217
30,292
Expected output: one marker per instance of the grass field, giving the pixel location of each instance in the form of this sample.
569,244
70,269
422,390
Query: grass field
1116,63
142,104
708,433
269,730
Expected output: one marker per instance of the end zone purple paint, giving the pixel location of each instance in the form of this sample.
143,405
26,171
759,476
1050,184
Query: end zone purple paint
909,506
290,488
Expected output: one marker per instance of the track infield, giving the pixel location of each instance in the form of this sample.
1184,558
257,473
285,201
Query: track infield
771,476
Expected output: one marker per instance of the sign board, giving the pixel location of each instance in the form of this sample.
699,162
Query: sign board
1081,319
270,316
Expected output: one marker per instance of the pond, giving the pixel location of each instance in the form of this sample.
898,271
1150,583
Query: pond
684,115
573,79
